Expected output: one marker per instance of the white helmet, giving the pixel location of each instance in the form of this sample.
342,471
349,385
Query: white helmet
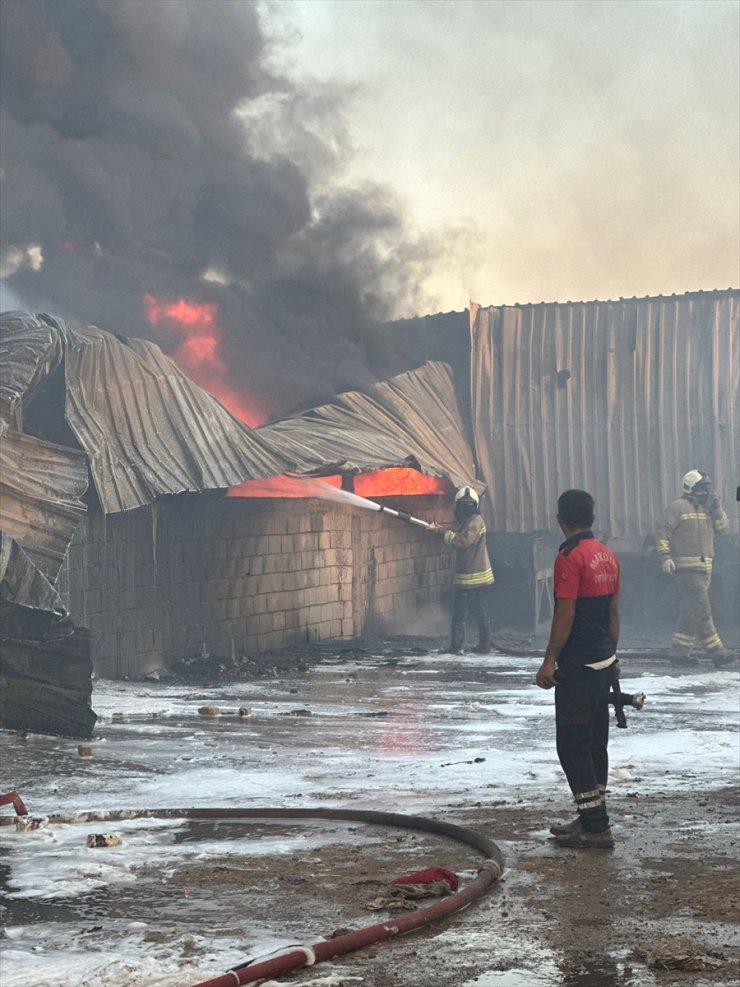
466,493
692,478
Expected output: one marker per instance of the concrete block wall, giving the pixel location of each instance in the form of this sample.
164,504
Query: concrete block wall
238,576
109,583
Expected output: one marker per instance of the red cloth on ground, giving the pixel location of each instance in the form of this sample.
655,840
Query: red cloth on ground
428,876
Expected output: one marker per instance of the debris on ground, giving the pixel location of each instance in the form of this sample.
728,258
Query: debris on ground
402,893
103,840
679,953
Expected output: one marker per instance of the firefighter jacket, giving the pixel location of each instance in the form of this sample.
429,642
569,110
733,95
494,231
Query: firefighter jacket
687,534
472,565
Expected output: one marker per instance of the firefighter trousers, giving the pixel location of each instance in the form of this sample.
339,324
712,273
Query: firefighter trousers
582,738
695,621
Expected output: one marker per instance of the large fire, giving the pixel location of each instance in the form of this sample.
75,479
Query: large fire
380,483
398,480
199,354
199,350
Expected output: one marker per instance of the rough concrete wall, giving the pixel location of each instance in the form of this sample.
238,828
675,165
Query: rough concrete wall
235,576
110,585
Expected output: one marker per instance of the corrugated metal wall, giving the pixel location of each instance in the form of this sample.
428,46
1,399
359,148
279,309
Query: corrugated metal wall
619,398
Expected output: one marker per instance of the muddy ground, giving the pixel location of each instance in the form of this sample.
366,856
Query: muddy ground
612,918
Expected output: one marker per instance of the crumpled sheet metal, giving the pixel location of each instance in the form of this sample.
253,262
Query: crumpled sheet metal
149,430
411,420
146,428
40,489
23,585
31,347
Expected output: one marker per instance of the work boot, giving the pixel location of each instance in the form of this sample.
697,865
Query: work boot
722,658
458,639
484,639
584,839
563,829
684,661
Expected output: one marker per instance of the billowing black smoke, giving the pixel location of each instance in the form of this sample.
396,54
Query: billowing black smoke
147,143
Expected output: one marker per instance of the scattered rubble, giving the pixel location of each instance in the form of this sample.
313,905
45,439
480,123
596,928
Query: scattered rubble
679,953
103,840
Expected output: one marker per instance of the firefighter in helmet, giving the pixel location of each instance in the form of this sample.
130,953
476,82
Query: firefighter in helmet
473,576
686,545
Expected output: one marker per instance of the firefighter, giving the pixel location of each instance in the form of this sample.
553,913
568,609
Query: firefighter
473,576
686,545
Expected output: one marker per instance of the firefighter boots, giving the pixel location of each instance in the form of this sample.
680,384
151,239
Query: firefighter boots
484,639
584,839
565,829
458,639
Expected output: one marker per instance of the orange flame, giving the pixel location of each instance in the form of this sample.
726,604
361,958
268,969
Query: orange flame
399,481
199,352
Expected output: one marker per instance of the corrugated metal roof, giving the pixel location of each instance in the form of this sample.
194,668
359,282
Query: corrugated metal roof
30,348
619,398
411,420
146,428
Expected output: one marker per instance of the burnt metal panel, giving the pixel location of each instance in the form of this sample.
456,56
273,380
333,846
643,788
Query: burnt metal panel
148,429
616,397
410,420
46,686
31,347
40,489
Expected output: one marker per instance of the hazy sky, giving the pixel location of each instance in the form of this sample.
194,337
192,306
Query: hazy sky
574,150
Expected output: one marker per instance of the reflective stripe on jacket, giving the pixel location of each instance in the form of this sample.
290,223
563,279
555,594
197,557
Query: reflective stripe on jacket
472,565
687,534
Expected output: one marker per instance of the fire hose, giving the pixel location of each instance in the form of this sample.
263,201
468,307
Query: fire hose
295,957
404,516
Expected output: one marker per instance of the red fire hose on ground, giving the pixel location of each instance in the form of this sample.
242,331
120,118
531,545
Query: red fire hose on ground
14,798
299,956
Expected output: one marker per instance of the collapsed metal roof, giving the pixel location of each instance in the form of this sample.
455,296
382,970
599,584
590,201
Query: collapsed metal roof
144,430
412,420
145,427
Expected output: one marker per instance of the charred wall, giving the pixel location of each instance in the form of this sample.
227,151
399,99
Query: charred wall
247,576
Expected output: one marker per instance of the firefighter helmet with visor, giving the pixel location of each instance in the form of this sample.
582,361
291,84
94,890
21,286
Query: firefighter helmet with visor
466,493
694,479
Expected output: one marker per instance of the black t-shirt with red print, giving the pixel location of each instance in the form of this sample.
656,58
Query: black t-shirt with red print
588,572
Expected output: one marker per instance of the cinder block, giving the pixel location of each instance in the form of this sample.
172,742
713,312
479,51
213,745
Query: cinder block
256,565
219,589
271,583
339,539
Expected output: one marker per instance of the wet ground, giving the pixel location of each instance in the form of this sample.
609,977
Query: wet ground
394,728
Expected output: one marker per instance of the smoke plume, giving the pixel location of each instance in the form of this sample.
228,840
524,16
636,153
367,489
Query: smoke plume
151,149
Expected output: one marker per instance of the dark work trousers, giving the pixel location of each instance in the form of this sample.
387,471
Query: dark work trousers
582,735
474,601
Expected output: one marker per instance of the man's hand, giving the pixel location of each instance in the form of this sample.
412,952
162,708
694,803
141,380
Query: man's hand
545,677
715,504
669,567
